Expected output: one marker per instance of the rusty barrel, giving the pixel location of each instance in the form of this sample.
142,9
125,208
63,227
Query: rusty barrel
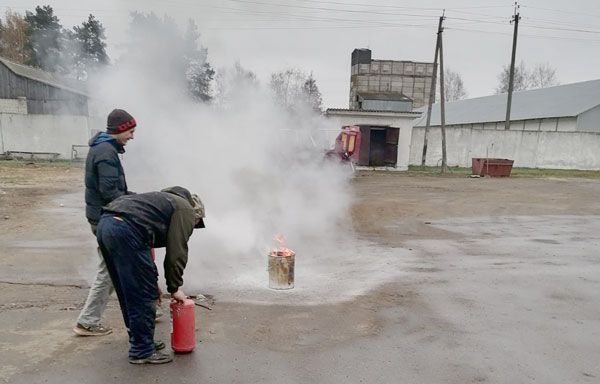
281,271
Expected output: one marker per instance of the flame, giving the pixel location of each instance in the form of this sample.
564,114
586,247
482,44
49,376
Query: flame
281,250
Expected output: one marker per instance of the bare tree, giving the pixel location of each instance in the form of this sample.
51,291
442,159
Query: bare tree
454,88
541,76
521,80
14,39
294,89
287,86
232,84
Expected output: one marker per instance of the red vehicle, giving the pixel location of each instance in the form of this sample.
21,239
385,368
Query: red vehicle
347,144
367,145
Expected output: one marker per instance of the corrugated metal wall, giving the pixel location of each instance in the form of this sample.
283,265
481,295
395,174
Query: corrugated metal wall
385,105
41,98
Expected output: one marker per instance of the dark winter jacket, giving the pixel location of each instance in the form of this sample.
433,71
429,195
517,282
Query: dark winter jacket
163,219
104,175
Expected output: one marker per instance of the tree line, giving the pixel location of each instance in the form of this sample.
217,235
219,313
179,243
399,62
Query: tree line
38,39
541,75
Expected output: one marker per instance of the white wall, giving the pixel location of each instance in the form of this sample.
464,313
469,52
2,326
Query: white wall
531,149
18,105
589,121
45,133
404,122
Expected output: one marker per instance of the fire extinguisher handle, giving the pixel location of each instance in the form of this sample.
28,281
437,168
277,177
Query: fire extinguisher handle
178,295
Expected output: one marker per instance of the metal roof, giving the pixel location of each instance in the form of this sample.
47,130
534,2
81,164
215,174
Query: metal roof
416,113
559,101
71,85
383,96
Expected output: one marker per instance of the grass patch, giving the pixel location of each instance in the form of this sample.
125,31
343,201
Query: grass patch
560,173
516,172
13,164
417,170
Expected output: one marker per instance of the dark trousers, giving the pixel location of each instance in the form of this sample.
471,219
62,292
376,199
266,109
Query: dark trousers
135,279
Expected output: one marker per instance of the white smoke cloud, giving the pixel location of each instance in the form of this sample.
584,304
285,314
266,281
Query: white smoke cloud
259,170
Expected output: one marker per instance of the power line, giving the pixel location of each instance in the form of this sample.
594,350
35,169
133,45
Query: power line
528,25
437,9
543,37
563,29
478,30
323,27
330,9
562,11
476,20
492,17
560,22
357,23
279,16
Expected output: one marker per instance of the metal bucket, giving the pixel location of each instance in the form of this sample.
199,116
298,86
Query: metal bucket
281,272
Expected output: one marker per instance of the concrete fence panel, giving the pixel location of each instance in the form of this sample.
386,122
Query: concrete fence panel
531,149
45,133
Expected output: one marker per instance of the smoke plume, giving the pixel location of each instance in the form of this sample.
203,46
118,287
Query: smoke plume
258,168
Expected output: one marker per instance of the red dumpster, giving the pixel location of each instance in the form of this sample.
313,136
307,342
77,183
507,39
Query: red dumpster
484,166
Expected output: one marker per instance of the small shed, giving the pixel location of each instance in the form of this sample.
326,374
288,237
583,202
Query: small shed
44,92
385,136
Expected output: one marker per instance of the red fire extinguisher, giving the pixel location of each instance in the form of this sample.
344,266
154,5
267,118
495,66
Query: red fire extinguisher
183,326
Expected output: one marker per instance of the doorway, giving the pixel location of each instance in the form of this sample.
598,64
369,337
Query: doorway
377,147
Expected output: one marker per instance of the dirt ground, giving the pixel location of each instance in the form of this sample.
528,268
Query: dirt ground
497,281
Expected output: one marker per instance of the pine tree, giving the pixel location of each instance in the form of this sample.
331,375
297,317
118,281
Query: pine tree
90,53
44,39
312,94
199,73
176,57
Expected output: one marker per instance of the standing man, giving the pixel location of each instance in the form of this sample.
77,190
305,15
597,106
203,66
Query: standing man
104,182
129,227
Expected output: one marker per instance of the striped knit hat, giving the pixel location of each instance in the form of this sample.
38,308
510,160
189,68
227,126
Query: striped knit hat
119,121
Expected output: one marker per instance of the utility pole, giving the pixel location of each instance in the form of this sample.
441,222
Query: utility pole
432,89
442,105
511,79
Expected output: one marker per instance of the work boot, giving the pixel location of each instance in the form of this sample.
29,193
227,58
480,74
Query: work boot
155,358
91,330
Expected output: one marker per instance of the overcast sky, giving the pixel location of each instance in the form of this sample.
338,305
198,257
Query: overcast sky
318,36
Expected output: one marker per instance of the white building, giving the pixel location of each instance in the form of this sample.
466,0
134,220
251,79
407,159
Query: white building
555,127
42,115
379,120
564,108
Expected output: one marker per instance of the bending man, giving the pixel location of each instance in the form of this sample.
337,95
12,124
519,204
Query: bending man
129,227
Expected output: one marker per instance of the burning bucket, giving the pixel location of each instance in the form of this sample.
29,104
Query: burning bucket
281,267
281,272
